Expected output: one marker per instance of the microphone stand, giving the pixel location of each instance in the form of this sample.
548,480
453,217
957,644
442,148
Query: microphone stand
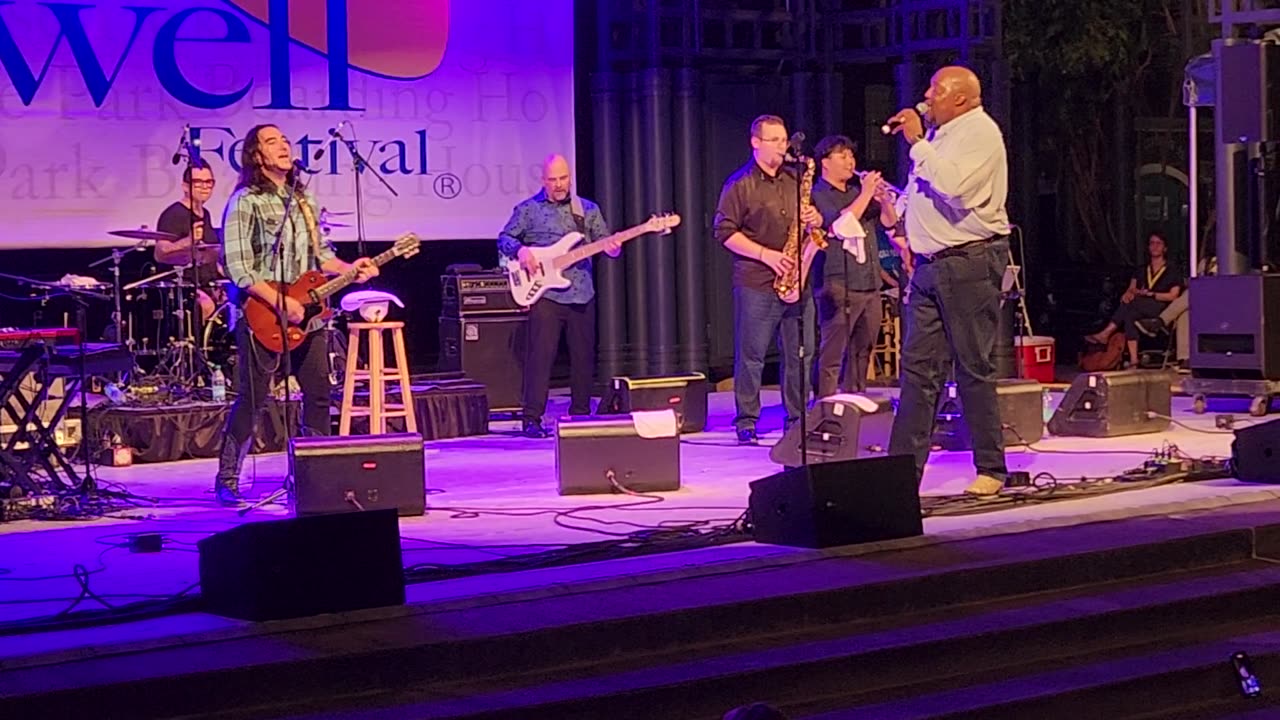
360,165
114,258
796,161
277,253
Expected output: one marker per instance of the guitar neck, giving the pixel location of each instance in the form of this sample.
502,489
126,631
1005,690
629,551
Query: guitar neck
341,281
582,252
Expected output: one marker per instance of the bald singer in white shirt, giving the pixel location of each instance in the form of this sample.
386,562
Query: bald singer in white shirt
957,230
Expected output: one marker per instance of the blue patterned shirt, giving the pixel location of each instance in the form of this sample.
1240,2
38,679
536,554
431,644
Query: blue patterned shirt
540,222
249,226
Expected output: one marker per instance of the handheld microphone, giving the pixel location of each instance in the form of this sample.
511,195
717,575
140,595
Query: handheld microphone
889,127
182,143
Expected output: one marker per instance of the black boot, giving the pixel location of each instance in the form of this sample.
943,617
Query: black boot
226,485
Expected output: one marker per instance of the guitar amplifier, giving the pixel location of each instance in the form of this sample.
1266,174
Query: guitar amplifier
481,292
489,350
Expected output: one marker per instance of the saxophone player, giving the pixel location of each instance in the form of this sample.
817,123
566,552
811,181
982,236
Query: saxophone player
754,219
847,276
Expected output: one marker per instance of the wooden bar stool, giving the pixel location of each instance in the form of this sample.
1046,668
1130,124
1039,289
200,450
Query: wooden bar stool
377,375
885,353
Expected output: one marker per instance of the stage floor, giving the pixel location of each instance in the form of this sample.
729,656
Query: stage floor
495,496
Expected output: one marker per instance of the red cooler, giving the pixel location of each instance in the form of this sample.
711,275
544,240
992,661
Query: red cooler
1035,357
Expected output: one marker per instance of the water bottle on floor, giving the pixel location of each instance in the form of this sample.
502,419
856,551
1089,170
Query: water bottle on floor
219,385
1047,405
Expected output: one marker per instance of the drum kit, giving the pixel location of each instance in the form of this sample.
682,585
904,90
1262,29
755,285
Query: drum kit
179,321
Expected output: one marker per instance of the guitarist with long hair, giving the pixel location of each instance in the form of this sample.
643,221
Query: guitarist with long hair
253,219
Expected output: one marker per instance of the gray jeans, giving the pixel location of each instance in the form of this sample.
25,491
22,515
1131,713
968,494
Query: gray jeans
848,321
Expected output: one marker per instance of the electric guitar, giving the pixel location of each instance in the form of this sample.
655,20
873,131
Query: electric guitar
551,261
312,290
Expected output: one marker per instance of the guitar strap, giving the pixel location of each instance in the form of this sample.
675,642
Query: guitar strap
579,215
312,229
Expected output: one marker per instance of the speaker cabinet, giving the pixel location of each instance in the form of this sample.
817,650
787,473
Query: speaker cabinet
303,566
685,394
1021,406
840,427
1108,404
592,454
838,503
362,472
489,350
1248,91
1255,453
1235,327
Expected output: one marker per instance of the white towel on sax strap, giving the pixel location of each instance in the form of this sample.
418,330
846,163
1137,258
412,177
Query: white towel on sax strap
849,230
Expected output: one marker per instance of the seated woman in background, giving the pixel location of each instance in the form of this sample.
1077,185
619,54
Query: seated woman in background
1152,288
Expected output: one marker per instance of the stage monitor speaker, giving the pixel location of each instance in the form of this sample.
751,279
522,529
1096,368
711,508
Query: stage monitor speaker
1108,404
599,455
1021,405
1248,92
303,566
489,350
838,503
839,427
1255,453
361,472
685,394
1235,326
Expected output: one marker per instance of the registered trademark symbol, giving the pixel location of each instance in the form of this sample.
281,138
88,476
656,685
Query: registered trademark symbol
447,186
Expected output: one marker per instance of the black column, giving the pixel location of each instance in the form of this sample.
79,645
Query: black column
693,234
802,119
908,95
638,295
831,110
655,101
611,284
1123,170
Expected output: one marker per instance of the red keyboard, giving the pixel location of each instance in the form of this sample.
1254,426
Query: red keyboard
11,339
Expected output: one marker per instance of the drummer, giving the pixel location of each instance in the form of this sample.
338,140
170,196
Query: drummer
195,244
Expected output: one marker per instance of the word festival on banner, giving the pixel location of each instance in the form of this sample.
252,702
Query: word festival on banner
455,103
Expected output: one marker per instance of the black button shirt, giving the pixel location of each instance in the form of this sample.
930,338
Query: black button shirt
760,207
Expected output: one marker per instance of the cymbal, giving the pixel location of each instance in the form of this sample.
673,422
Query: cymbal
143,233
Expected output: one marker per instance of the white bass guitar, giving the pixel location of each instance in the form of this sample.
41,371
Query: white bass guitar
527,288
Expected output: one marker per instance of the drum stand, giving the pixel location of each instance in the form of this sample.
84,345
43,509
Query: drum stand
184,361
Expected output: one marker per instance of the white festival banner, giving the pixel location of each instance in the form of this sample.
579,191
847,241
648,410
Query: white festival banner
456,103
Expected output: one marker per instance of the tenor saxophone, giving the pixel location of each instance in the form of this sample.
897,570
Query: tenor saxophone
788,285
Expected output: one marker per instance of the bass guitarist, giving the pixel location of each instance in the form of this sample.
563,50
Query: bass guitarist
253,219
541,221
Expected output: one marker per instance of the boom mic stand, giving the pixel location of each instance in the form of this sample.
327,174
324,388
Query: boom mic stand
360,165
